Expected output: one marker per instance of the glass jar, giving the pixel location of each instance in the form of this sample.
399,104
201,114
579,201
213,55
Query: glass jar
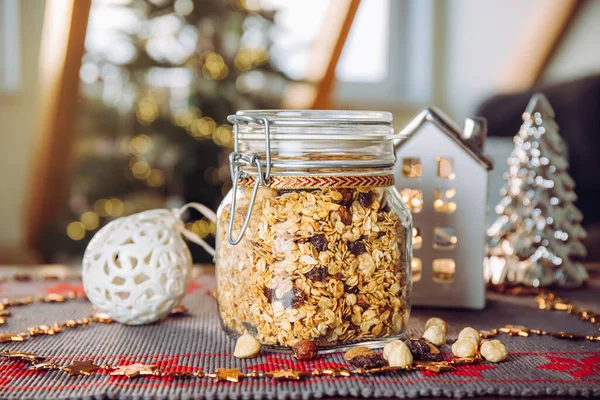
318,244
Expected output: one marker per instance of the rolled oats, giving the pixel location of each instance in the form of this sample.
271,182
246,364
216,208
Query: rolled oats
328,265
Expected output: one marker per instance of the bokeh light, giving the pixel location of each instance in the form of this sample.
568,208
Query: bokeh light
76,230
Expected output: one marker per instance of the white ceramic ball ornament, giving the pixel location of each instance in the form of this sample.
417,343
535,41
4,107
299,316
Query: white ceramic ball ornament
137,268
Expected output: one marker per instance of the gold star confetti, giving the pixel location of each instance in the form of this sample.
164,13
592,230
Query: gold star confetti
179,310
133,370
22,356
102,318
488,334
434,366
336,372
10,337
52,298
227,375
379,370
515,330
81,368
44,365
466,360
286,374
254,374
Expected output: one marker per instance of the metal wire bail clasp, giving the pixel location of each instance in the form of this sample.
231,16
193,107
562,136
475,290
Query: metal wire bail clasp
237,161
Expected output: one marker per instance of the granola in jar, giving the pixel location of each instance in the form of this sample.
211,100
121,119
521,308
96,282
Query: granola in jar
318,251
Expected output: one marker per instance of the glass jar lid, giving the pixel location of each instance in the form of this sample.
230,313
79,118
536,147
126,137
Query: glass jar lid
338,139
315,125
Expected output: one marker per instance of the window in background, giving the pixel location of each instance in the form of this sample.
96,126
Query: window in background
366,54
9,46
297,24
388,57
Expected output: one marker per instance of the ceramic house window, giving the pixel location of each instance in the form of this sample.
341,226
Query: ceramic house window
445,168
417,239
417,269
444,238
413,199
443,270
411,168
443,200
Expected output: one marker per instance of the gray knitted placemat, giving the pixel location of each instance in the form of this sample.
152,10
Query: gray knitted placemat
536,366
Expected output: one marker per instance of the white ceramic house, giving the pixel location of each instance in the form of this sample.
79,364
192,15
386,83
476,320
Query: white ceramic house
442,175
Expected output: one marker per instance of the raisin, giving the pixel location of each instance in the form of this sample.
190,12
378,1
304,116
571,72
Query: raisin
293,298
365,199
385,207
418,348
351,289
362,302
431,357
319,242
317,274
357,247
268,292
432,347
369,361
424,350
347,195
345,216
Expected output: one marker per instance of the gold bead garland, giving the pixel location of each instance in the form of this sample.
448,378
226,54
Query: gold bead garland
87,367
545,301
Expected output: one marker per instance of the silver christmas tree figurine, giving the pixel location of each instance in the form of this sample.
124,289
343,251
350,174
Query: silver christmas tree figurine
536,240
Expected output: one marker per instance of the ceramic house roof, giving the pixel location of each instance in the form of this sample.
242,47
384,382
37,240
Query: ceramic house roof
446,125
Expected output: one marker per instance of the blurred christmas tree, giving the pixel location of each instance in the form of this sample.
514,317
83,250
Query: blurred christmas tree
158,80
536,239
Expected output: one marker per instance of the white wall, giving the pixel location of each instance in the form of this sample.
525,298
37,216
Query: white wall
579,53
18,113
480,37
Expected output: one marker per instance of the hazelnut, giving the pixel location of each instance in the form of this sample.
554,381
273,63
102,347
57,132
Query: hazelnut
494,351
471,334
464,348
246,347
436,335
358,351
305,350
434,321
397,354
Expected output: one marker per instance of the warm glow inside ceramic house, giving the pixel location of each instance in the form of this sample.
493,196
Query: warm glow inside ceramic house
442,175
